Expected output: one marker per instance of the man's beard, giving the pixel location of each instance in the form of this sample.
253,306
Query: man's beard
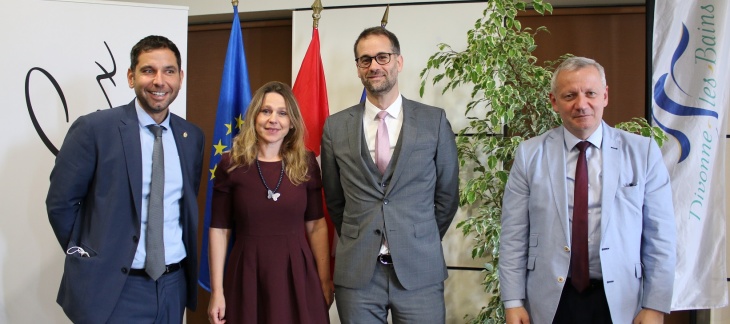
383,87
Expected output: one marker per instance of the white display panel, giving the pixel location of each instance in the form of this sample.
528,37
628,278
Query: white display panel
74,42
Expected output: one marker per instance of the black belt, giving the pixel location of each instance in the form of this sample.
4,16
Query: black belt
170,268
593,284
385,259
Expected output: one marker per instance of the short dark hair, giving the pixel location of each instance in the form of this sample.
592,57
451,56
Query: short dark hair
381,31
150,43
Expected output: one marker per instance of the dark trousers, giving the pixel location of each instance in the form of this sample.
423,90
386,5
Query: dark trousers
589,306
144,300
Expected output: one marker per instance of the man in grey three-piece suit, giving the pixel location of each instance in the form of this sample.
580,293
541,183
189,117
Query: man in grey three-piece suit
390,177
588,231
113,164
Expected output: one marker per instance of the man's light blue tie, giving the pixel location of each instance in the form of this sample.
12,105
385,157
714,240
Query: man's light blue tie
155,260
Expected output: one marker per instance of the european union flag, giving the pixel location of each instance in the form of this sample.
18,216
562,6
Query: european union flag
233,101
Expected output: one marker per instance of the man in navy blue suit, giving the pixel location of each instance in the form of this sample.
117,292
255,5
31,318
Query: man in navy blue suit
99,195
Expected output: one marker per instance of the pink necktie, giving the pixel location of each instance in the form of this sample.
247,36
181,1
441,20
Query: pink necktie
579,236
382,143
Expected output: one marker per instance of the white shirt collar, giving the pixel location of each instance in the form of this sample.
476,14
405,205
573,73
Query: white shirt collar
596,138
393,110
145,119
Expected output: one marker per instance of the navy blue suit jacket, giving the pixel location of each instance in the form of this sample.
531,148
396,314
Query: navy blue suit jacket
94,201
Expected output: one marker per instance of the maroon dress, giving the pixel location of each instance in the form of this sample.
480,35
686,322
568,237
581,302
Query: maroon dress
271,275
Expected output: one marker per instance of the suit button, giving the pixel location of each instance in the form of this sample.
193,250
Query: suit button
566,249
135,239
385,201
377,232
561,279
124,270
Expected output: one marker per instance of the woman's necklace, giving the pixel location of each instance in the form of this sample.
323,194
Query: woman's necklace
271,194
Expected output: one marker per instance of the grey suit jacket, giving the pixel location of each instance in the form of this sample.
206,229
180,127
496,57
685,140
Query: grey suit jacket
94,201
414,202
638,233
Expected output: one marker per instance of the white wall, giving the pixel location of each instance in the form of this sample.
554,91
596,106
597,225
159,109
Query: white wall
199,8
65,38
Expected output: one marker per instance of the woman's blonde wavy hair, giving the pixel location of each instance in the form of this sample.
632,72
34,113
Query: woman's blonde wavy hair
293,152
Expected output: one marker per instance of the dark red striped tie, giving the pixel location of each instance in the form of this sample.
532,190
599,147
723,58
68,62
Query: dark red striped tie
579,236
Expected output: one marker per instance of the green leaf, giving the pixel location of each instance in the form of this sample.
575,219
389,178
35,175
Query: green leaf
492,162
471,197
537,5
548,7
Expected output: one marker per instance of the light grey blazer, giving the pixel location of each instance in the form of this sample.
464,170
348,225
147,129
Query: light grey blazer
638,231
415,203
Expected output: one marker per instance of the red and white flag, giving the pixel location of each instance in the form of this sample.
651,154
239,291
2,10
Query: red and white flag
310,89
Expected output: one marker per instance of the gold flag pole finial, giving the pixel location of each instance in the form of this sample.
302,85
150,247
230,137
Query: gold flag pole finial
385,17
234,3
316,10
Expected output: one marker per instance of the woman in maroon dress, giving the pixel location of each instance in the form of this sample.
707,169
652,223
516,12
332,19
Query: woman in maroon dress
267,189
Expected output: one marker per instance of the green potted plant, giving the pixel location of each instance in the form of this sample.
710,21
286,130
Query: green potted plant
508,104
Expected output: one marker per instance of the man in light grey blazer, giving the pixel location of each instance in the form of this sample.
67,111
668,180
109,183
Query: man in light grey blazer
631,233
391,186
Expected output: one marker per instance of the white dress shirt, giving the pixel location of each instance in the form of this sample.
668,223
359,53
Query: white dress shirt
594,158
394,122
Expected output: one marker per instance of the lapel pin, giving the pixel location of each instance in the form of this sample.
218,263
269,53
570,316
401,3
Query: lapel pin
185,134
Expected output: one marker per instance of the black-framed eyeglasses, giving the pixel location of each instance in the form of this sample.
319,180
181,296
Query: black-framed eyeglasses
365,61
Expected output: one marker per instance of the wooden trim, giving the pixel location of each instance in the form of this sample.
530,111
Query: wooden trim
244,24
588,11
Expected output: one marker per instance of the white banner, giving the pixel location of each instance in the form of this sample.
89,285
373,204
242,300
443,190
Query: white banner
60,59
691,85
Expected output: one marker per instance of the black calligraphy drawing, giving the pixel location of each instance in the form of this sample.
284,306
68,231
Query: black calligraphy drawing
33,119
106,75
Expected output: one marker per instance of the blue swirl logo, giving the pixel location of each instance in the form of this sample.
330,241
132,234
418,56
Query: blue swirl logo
664,102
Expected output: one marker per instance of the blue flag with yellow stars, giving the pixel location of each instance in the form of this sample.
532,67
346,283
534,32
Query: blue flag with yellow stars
234,98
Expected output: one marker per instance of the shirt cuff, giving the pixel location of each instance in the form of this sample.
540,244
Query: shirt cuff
513,303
